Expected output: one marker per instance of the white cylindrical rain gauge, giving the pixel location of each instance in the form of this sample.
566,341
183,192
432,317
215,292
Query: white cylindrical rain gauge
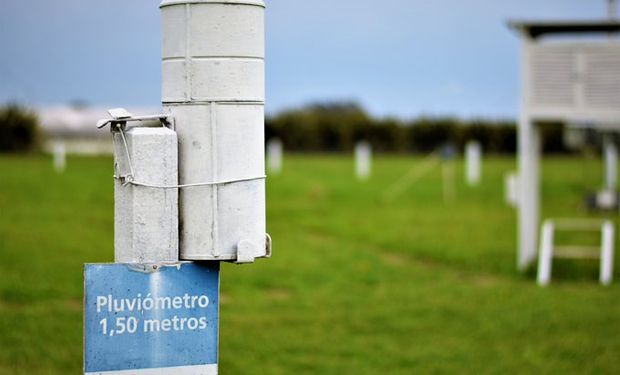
213,85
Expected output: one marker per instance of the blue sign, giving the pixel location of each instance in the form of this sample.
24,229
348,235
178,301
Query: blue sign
151,319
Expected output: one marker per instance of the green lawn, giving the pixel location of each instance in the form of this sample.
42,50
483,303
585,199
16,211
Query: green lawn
357,285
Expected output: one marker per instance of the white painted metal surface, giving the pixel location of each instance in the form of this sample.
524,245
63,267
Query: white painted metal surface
473,163
529,184
213,85
60,157
274,155
611,165
561,80
574,81
546,254
548,250
363,160
145,218
607,253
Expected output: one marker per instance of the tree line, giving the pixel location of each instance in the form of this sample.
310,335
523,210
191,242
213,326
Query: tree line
336,127
19,129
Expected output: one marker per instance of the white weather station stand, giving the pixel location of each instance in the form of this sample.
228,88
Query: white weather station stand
570,73
189,192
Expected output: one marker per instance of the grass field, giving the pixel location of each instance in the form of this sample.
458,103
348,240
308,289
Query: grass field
356,285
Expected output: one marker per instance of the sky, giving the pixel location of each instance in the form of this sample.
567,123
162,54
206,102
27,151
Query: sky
402,58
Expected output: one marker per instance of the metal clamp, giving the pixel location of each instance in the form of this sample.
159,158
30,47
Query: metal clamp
120,116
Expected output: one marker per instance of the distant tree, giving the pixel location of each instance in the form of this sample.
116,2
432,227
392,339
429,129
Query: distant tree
323,127
337,126
19,131
552,137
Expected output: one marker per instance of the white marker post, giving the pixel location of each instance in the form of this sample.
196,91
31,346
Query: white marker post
274,155
607,253
59,152
545,254
473,156
363,159
611,165
511,189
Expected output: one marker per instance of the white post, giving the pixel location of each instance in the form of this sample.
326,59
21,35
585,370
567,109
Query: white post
545,256
528,159
511,189
363,156
528,208
146,218
213,84
607,253
60,156
473,156
611,165
274,155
